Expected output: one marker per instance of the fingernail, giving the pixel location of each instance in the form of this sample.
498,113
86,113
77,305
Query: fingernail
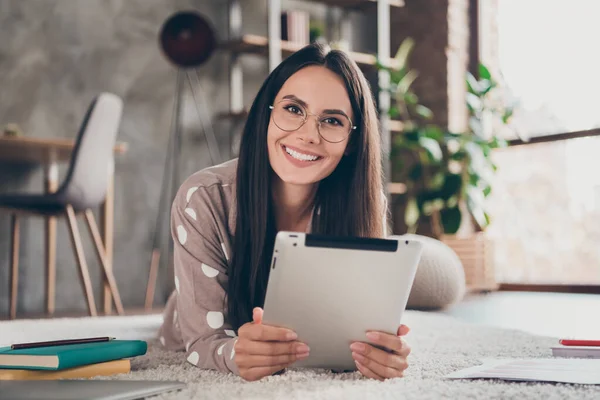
302,348
357,347
291,336
357,357
302,355
372,335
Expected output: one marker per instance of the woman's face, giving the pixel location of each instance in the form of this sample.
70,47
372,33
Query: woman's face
302,156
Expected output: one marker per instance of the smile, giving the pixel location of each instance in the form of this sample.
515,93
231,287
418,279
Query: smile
301,156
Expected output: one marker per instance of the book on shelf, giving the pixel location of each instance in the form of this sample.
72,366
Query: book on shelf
295,27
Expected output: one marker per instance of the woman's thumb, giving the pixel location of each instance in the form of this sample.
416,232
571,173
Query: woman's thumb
257,315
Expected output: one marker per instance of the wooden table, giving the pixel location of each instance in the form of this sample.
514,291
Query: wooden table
49,153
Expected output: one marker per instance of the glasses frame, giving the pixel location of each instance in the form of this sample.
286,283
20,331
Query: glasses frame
306,115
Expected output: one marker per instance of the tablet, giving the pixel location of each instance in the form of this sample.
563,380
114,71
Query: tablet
88,389
332,290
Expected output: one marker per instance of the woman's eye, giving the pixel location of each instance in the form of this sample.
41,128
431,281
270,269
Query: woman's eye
332,121
294,109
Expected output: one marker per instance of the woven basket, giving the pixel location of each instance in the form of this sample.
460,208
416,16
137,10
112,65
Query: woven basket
476,254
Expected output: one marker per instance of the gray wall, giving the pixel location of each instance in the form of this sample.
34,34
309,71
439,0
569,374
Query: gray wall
55,55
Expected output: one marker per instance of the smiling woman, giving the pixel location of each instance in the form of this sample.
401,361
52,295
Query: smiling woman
309,161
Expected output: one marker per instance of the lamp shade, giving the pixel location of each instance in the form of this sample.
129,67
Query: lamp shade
187,39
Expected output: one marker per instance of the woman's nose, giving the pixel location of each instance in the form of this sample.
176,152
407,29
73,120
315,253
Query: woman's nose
309,131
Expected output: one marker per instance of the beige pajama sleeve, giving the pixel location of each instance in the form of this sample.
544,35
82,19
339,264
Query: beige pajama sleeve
200,264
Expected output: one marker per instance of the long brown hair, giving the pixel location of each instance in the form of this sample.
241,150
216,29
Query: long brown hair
349,200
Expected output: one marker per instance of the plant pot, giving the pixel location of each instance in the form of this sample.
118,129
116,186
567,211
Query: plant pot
475,252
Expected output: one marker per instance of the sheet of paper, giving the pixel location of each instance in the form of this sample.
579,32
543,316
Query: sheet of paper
583,371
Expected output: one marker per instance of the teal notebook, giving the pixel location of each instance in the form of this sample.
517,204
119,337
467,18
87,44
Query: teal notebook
69,356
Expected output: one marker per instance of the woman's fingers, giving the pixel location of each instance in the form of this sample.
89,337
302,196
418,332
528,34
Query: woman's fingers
257,315
387,370
403,330
270,348
390,342
382,357
367,372
252,361
265,333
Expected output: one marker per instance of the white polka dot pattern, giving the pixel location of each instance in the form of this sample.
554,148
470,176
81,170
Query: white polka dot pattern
190,192
187,346
177,284
229,332
193,358
191,213
214,319
181,234
209,271
220,349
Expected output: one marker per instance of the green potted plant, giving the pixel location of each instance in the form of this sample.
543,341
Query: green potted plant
448,175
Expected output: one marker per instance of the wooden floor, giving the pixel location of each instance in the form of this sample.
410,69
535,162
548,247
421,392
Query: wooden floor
548,314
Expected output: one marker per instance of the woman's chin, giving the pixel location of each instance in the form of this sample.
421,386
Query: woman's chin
293,179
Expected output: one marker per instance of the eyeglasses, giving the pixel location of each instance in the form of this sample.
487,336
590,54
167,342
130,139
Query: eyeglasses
289,116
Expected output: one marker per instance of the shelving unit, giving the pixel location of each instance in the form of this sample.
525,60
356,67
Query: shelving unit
254,44
239,44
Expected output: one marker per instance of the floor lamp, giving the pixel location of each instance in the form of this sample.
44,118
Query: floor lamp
187,40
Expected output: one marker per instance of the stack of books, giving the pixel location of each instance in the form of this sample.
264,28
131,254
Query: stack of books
295,27
574,348
69,359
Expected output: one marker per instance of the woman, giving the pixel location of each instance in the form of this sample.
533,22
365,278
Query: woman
309,161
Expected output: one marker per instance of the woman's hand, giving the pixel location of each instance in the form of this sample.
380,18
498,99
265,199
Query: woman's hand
262,350
380,364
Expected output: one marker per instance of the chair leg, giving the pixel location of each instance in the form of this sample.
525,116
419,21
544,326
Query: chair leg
14,265
101,253
50,263
84,273
152,276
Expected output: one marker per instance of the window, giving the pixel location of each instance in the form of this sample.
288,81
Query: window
546,213
547,54
545,202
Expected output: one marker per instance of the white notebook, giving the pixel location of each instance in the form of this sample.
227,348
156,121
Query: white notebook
571,370
576,351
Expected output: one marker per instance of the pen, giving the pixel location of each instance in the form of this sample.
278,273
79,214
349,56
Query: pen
577,342
34,345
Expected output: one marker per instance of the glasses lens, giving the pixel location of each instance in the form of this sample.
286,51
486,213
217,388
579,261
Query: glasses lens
288,115
334,127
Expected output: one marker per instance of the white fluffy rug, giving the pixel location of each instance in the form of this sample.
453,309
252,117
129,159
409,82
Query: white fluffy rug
440,344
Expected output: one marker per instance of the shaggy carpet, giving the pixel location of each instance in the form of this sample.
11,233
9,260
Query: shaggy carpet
440,345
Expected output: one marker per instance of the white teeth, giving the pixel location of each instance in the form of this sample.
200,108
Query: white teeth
299,156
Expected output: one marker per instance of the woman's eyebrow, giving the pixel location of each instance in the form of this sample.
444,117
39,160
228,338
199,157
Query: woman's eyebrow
305,105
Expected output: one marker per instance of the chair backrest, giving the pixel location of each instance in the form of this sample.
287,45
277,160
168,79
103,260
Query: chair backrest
87,178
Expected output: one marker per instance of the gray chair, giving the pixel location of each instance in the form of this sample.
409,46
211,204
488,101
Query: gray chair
83,189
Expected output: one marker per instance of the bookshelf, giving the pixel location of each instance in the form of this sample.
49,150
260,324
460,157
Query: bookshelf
271,46
254,44
356,4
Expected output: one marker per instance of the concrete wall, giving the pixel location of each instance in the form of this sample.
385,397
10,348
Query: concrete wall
55,55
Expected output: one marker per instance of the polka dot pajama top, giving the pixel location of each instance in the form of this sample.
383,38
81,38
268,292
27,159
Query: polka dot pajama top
202,225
